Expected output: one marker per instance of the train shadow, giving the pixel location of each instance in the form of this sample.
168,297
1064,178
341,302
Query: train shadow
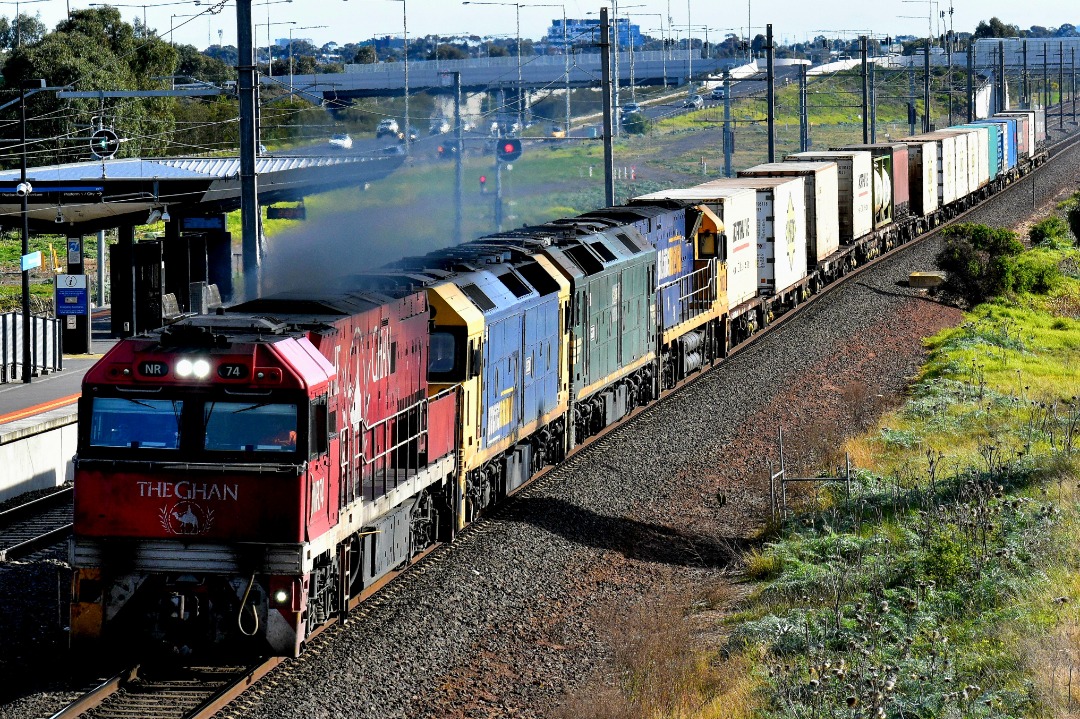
634,539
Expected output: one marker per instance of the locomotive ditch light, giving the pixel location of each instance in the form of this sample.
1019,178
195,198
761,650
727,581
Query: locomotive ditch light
281,596
184,368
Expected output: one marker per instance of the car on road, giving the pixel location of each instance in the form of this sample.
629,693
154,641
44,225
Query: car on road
341,142
717,93
630,108
413,134
439,126
388,126
694,102
558,131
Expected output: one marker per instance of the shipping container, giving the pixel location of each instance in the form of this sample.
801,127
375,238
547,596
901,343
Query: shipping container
855,181
1007,140
1025,131
996,152
733,220
821,187
978,163
781,229
945,145
892,197
922,176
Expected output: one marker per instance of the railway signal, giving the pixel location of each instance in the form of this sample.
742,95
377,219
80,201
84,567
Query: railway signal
509,150
104,143
483,183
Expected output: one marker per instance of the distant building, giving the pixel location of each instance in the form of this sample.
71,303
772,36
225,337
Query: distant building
587,32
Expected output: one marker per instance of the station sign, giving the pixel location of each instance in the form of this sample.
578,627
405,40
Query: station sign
72,297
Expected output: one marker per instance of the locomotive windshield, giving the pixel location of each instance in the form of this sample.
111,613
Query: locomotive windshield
446,358
247,426
124,422
225,430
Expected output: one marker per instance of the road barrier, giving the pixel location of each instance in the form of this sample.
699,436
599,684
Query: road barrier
46,353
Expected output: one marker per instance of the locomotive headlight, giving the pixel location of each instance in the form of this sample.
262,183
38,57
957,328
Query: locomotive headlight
281,596
201,368
184,368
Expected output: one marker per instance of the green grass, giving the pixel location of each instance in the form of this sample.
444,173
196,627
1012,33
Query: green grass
942,585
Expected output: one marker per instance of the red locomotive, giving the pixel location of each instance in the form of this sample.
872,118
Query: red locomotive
227,465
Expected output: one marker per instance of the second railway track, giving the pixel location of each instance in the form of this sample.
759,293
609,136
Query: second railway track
35,526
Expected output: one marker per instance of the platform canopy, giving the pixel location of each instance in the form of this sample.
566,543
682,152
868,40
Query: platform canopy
84,197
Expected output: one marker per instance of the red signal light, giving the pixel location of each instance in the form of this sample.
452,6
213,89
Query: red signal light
509,150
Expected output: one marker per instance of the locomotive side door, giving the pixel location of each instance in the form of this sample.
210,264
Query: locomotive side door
322,511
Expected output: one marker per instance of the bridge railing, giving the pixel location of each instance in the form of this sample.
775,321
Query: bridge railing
46,352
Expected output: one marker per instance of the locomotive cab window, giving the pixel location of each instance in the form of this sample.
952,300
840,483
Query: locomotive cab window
250,426
446,355
319,427
135,423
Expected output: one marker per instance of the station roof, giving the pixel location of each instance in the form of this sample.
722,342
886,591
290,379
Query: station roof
84,197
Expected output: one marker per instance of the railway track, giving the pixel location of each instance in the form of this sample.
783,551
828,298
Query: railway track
36,525
199,692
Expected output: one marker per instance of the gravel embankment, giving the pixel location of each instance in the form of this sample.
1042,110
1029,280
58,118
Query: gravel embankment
510,620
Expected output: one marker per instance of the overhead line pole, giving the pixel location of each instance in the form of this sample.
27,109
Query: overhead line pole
926,86
249,197
971,82
770,91
605,86
1061,84
865,91
459,171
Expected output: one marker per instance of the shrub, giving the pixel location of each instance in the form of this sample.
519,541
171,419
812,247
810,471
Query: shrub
636,123
1072,214
1035,271
1051,229
978,260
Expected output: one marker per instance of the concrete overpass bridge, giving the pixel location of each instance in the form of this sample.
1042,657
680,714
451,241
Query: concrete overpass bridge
538,72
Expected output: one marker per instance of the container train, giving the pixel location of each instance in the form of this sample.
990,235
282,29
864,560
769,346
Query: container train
241,475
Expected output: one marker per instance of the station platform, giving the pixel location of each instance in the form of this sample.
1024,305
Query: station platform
20,401
38,420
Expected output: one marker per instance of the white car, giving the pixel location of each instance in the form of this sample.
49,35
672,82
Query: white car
630,108
341,142
717,93
694,102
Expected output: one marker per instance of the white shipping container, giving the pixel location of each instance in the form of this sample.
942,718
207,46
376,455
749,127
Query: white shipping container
946,164
923,176
781,226
821,188
978,149
735,211
983,159
854,174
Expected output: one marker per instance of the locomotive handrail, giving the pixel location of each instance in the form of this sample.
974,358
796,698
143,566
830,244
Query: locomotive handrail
697,292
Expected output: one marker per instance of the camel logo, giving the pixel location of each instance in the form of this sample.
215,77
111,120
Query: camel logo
186,518
790,232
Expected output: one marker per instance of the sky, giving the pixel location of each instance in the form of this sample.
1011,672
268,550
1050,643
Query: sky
356,20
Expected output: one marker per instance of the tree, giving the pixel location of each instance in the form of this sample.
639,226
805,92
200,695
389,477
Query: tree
194,64
498,51
996,28
758,43
95,49
365,55
24,30
448,52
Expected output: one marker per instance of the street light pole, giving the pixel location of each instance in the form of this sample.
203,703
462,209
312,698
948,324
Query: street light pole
305,27
24,193
405,29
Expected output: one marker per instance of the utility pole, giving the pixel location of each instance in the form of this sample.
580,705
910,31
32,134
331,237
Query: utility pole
926,86
804,115
865,92
1061,84
949,78
1001,77
605,86
1024,79
498,195
1074,85
911,95
1046,80
459,169
971,81
771,91
729,134
249,191
873,102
